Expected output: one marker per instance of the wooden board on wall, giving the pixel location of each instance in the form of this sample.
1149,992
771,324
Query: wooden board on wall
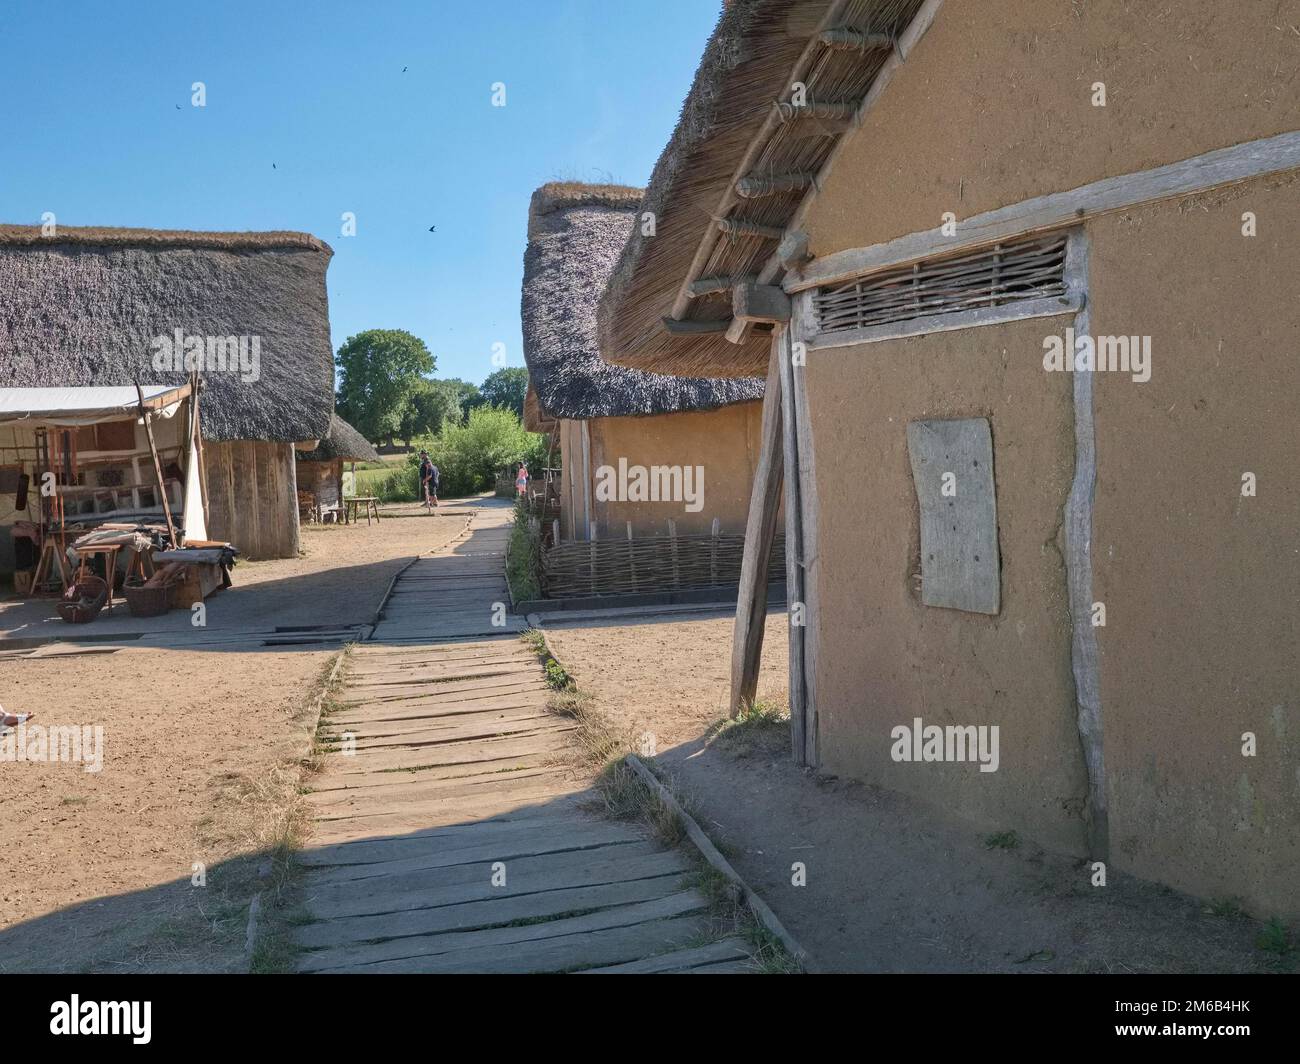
253,497
952,468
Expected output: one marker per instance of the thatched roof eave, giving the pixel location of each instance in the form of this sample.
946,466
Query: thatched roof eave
570,251
730,129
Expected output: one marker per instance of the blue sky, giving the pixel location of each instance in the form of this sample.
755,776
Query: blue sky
101,131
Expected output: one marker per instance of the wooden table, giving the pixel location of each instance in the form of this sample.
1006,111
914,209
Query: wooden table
136,563
350,504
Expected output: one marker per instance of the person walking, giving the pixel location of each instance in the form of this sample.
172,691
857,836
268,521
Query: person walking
521,482
428,481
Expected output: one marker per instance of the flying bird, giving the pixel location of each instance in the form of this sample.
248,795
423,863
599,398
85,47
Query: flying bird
403,70
273,166
432,228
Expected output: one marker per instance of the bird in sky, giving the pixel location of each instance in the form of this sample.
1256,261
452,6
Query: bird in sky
432,228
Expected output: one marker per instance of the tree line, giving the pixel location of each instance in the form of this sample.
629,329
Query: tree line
387,391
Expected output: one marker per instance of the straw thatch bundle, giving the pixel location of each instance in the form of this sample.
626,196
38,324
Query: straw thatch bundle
747,71
342,441
575,233
83,306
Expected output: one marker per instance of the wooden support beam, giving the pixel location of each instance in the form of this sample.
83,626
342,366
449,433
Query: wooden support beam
793,251
760,303
146,416
815,109
758,186
735,227
707,286
690,327
846,39
794,568
760,531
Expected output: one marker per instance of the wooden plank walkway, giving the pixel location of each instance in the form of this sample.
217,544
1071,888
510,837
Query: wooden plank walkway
449,830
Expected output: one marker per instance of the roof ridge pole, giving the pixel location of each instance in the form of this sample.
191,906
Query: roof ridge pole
682,301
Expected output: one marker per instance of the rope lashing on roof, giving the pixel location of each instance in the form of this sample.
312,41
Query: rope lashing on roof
755,186
845,39
707,286
735,227
837,112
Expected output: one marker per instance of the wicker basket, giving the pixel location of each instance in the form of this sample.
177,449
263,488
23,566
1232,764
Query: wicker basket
82,602
148,601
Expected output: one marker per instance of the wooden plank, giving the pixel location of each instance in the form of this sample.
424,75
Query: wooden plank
370,731
564,953
453,942
413,819
726,949
503,752
808,534
398,711
382,857
952,472
760,528
465,883
486,912
1078,575
794,571
330,795
1214,169
541,724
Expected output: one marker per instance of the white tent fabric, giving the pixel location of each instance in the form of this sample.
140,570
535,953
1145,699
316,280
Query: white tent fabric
192,520
85,406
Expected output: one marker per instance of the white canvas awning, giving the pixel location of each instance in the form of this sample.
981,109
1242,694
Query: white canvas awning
86,406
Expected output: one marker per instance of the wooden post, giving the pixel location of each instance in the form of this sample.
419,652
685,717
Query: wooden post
713,551
591,553
555,532
794,572
760,529
157,468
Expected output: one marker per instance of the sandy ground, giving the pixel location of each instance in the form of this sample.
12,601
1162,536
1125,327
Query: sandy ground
666,678
198,766
892,884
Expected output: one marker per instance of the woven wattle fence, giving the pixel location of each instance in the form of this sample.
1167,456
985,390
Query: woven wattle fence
658,563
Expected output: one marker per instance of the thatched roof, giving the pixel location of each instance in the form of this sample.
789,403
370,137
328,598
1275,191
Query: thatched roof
758,50
342,441
575,233
82,307
535,418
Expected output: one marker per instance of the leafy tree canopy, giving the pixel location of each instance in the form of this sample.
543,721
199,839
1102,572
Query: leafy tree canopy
379,369
506,388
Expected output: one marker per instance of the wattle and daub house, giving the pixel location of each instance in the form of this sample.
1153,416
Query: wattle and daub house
1017,272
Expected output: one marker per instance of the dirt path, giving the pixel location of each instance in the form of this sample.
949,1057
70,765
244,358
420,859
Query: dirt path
449,827
100,870
890,883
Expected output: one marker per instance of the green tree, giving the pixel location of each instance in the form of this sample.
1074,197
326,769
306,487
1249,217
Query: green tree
506,388
430,405
467,394
378,371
